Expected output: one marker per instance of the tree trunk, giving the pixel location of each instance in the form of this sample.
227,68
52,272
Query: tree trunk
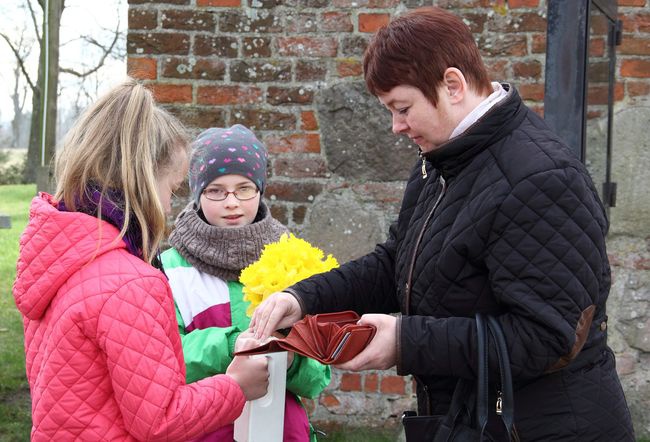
40,155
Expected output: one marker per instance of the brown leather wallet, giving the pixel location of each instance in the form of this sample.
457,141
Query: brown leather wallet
330,338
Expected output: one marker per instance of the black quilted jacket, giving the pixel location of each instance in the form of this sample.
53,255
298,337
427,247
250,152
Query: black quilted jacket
507,222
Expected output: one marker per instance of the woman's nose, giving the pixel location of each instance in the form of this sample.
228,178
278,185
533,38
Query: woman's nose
399,125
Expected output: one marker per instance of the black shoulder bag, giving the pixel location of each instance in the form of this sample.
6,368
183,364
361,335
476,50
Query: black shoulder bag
467,417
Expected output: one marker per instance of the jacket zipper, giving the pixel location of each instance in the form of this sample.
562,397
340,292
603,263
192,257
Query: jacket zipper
407,292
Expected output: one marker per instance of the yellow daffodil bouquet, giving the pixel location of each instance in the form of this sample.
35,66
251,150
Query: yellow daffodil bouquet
282,264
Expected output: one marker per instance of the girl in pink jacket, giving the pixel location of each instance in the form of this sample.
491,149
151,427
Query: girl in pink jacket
103,354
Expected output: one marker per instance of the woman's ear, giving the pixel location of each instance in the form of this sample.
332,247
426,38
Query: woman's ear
455,85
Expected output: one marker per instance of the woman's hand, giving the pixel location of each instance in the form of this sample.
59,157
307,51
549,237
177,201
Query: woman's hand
280,310
381,353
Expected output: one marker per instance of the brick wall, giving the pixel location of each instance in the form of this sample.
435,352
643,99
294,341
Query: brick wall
264,63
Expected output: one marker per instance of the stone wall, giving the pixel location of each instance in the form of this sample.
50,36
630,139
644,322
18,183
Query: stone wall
291,70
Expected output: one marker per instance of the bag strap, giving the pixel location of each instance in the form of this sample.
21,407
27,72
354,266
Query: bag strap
482,383
506,395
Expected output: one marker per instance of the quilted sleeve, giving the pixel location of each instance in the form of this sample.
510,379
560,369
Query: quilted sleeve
138,333
206,351
307,377
547,264
364,285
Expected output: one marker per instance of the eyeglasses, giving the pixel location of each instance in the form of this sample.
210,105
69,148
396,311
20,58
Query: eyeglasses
242,194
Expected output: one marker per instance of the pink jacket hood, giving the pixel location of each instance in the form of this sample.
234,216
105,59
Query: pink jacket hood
54,246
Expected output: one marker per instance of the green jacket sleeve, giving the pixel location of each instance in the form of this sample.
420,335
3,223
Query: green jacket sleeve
208,351
307,377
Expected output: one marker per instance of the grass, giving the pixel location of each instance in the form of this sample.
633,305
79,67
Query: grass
15,413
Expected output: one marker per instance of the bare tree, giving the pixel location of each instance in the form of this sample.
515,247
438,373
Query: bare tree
19,95
45,87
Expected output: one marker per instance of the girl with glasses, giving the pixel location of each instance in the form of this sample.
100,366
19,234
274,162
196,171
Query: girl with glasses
220,232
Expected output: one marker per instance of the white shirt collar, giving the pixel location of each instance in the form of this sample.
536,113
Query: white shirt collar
480,110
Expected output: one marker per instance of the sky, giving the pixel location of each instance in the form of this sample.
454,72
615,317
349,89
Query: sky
80,17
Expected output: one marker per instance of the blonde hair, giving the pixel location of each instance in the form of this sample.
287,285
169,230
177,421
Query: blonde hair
122,142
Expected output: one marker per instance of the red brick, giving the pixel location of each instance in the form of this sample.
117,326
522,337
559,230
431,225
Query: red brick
372,22
307,46
329,401
393,385
635,68
264,119
298,214
171,93
191,20
350,382
300,143
224,95
279,212
636,89
634,46
385,4
310,70
370,383
239,22
336,22
256,47
349,67
200,117
209,45
476,22
297,192
513,4
142,68
539,44
201,69
276,95
310,167
597,47
171,2
465,3
599,25
497,68
308,120
597,94
142,19
635,22
527,69
532,92
223,3
631,2
300,23
509,45
260,71
158,43
518,22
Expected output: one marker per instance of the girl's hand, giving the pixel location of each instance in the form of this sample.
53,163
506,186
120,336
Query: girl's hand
252,375
246,340
280,310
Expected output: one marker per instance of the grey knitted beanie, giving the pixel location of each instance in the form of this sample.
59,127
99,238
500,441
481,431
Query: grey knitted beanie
225,151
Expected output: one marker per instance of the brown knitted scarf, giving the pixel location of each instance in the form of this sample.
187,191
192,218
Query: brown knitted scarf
223,252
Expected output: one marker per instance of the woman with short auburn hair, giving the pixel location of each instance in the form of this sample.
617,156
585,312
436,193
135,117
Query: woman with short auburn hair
498,217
